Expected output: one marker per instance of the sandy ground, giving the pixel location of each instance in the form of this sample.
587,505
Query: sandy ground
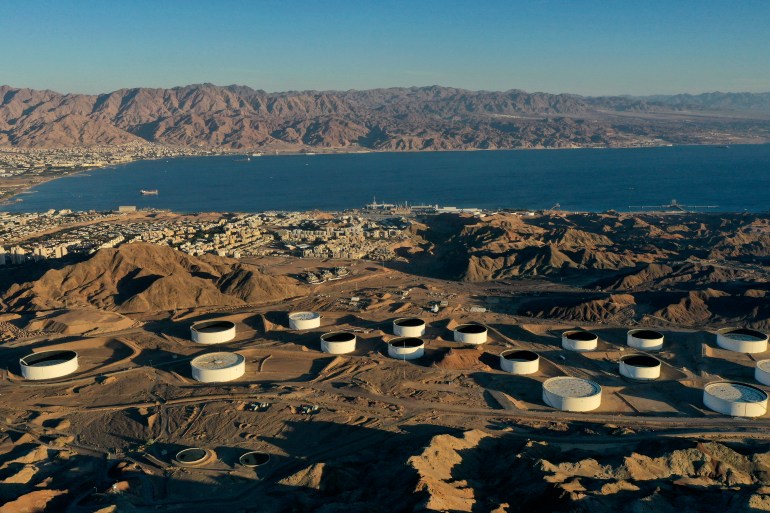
132,404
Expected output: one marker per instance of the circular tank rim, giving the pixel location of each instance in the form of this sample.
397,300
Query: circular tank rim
409,322
548,386
645,334
254,465
758,335
649,362
764,396
195,362
24,363
580,335
471,329
338,336
407,342
303,316
191,450
202,325
524,355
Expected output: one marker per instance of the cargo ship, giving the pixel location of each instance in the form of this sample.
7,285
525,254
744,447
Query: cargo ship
149,192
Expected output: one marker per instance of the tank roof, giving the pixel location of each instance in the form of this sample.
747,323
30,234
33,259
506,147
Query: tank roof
764,365
338,336
407,342
567,386
646,334
580,335
471,328
640,360
409,321
744,334
46,358
214,361
736,392
212,326
304,316
519,355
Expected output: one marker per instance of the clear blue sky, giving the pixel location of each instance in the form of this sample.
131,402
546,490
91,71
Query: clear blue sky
579,46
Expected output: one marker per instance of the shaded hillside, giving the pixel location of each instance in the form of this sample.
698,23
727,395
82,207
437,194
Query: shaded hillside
144,278
424,118
682,269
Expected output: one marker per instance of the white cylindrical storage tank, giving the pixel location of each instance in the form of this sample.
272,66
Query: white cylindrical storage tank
218,367
735,399
470,334
742,340
572,394
646,340
212,332
578,340
304,320
762,372
49,364
406,348
409,327
338,342
641,367
519,361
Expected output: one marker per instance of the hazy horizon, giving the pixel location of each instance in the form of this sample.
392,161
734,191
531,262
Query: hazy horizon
587,47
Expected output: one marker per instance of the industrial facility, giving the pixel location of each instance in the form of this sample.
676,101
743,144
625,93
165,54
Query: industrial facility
579,340
519,361
641,367
646,340
300,321
48,364
212,332
735,399
742,340
218,367
474,334
338,342
409,327
572,394
406,348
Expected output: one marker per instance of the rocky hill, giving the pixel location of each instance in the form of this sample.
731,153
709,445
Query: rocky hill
145,278
425,118
684,269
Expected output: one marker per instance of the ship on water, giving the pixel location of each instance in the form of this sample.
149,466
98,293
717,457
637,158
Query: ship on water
149,192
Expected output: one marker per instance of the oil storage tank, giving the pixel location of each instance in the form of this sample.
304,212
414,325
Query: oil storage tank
409,327
338,342
212,332
49,364
470,333
218,367
640,367
304,320
646,340
406,348
735,399
579,340
762,372
572,394
519,361
742,340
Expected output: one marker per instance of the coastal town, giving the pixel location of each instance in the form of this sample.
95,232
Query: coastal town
346,235
21,168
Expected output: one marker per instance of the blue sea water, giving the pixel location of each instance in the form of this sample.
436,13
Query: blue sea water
735,178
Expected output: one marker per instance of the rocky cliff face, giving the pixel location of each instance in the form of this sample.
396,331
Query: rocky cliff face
427,118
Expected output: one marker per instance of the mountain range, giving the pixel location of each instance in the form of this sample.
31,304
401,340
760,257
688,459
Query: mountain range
417,118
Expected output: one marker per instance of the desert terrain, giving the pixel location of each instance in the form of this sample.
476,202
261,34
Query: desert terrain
362,431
